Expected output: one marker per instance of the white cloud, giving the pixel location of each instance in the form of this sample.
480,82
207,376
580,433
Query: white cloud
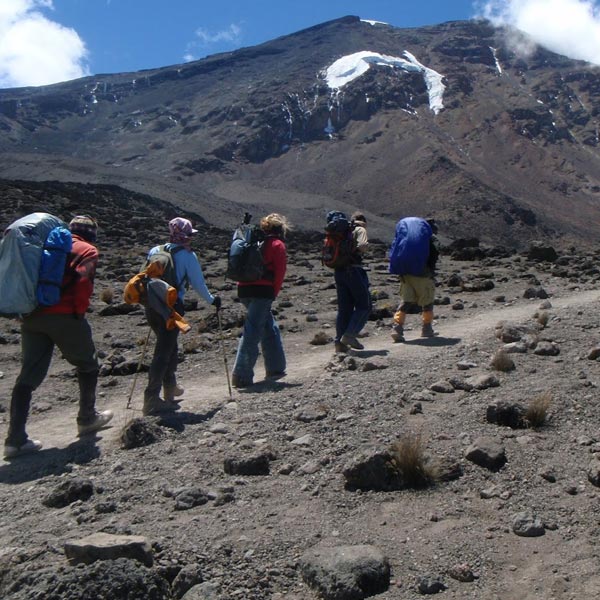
568,27
230,36
35,50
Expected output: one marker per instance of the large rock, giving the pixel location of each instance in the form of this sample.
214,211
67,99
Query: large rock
527,525
256,464
487,452
140,432
593,472
114,579
507,413
540,252
373,470
346,572
105,546
186,579
68,492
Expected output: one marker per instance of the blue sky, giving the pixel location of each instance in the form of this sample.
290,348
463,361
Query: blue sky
124,35
46,41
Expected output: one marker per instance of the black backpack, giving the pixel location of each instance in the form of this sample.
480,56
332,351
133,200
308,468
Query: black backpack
338,245
245,259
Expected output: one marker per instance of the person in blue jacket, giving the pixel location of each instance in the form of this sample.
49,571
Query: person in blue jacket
163,368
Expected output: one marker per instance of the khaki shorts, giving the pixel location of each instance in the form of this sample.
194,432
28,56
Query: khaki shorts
417,290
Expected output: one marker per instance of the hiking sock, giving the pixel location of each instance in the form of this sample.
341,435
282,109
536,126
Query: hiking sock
399,317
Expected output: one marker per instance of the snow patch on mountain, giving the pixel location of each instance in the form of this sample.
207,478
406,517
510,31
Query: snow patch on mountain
350,67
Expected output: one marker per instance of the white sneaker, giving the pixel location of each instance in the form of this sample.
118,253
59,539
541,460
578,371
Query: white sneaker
29,447
100,420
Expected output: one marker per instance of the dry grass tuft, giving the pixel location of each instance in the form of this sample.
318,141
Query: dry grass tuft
107,295
501,361
411,461
537,411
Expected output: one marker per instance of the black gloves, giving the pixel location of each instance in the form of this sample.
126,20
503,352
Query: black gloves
217,302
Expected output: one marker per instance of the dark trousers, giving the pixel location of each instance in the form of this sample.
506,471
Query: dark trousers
164,362
354,301
40,333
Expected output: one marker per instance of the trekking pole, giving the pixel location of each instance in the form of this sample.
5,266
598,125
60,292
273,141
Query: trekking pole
224,354
139,367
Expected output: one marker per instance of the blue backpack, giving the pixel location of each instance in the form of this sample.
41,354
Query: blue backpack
33,258
410,248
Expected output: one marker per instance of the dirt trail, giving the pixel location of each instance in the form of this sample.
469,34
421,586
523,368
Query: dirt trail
210,394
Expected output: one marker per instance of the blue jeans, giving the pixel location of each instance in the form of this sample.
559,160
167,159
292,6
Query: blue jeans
354,301
259,328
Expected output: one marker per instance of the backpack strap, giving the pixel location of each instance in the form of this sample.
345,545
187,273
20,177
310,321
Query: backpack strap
173,250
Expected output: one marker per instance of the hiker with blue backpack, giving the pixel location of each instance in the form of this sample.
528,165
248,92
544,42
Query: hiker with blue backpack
185,270
61,324
257,295
413,256
345,245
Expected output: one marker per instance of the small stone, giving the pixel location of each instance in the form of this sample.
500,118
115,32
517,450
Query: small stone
527,525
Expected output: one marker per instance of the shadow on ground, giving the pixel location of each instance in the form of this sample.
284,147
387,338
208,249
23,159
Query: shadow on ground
433,342
49,461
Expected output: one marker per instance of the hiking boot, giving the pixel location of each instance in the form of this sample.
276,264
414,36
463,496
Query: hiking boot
238,382
350,340
170,392
398,334
340,348
157,406
29,447
274,375
99,421
427,330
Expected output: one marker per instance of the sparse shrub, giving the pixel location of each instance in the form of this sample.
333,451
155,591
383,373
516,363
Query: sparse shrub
107,295
537,411
542,317
501,361
409,457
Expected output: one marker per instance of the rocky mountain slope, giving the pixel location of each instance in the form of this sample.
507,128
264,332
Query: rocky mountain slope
269,492
513,154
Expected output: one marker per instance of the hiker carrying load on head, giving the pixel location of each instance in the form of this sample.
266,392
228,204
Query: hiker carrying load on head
346,242
187,270
260,327
413,256
63,325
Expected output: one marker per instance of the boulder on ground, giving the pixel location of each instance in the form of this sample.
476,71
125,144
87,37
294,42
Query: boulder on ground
346,572
105,546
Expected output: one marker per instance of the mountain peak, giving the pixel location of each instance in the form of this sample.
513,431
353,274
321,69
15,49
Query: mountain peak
444,119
